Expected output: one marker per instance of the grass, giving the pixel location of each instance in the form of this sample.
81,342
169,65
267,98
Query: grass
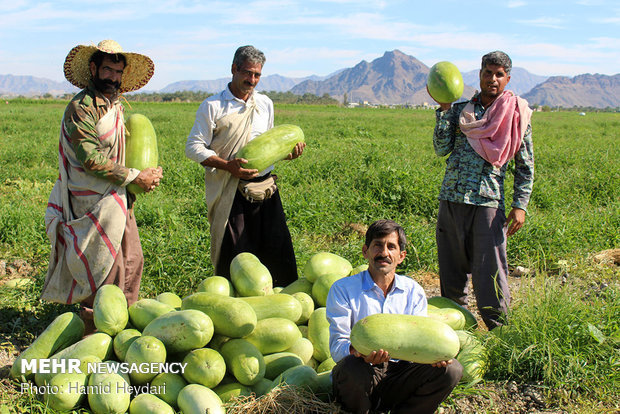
360,165
564,336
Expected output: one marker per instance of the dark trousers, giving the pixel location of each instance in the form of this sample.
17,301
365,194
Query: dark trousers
260,229
399,387
471,242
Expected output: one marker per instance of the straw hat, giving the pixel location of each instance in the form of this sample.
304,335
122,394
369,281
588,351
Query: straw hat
137,73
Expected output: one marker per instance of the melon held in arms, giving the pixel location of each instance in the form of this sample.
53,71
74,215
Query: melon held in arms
141,148
445,82
409,337
271,146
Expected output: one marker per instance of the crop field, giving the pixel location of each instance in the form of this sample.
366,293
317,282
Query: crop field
359,165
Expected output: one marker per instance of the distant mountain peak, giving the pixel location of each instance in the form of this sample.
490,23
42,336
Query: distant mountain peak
393,78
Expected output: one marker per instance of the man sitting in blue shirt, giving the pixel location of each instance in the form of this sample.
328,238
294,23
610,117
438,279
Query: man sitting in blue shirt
363,383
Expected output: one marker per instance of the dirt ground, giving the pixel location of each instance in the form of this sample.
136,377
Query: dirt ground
504,398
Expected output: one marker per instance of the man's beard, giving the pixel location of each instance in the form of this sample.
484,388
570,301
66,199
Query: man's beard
106,85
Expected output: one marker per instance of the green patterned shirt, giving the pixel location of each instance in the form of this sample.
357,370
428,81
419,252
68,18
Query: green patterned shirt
79,121
470,179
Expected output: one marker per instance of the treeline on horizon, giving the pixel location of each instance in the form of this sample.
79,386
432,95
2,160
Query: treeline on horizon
199,96
277,97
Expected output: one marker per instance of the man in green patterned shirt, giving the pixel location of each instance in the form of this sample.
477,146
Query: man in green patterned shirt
481,135
89,217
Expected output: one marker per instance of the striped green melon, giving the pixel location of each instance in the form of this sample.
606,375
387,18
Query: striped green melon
98,344
271,146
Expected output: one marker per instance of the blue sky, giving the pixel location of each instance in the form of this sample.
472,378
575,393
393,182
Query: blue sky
194,40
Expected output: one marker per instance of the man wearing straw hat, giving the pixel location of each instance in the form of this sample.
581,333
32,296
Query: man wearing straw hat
89,218
245,210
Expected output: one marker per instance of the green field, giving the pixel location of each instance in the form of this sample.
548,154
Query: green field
360,165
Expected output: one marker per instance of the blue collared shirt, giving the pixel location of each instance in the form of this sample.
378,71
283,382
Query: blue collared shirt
355,297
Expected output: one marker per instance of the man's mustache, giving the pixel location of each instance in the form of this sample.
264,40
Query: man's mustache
106,85
109,82
385,258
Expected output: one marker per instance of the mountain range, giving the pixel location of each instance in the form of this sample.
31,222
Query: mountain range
598,91
394,78
11,85
521,81
267,83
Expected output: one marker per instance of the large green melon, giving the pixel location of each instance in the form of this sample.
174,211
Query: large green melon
198,399
318,334
182,330
244,361
445,82
274,335
148,403
145,350
141,147
451,317
473,356
167,386
409,337
249,276
205,366
65,330
271,146
441,302
325,262
110,313
231,317
142,312
278,305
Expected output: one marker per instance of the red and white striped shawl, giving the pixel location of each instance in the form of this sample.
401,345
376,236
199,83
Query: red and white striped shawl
85,217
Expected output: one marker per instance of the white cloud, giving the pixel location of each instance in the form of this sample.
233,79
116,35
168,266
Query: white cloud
609,20
611,17
380,4
547,22
610,43
337,58
558,69
516,3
